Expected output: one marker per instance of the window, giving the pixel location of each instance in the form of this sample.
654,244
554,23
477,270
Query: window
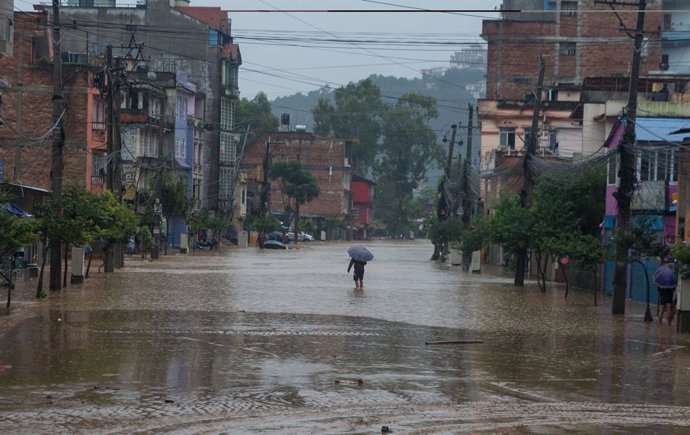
225,183
612,169
657,165
226,118
40,53
227,149
568,48
196,190
507,138
98,121
180,148
154,108
212,37
569,8
149,144
181,106
355,212
99,164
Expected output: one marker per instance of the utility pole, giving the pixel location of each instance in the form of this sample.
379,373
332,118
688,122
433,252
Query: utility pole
468,197
528,185
442,209
56,149
627,168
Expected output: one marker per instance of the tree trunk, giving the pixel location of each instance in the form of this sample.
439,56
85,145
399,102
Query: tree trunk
39,286
88,265
296,235
596,290
564,268
64,274
108,261
520,262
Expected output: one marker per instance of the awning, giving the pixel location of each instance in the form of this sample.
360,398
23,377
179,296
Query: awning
14,209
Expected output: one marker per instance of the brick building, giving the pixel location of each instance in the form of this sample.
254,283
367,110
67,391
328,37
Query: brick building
27,112
577,39
327,159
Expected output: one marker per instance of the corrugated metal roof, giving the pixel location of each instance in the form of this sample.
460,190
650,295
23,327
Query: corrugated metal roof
659,129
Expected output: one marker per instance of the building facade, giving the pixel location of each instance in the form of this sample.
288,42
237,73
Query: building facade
326,158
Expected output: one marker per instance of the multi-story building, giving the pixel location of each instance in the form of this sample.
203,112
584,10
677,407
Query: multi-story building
176,38
6,27
577,39
326,158
26,82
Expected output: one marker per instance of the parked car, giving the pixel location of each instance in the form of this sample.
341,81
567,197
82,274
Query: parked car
301,237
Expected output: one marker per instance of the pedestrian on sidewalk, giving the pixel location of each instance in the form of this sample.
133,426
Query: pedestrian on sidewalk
359,272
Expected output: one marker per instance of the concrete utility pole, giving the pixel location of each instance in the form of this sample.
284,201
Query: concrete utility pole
57,148
627,168
528,186
467,197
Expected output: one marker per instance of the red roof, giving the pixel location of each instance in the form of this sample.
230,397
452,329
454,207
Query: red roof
213,16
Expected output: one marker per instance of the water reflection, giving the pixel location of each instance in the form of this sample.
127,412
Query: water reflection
260,331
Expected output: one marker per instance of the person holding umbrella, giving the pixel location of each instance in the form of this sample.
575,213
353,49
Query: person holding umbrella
359,257
666,280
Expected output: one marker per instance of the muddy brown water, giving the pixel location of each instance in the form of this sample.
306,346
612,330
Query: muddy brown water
250,341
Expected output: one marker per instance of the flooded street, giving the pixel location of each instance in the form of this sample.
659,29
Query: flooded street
251,341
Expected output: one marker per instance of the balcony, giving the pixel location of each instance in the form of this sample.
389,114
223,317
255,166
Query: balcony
97,180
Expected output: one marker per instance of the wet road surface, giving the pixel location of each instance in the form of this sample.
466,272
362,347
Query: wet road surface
252,341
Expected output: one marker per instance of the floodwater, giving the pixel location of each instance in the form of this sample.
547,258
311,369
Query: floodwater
250,341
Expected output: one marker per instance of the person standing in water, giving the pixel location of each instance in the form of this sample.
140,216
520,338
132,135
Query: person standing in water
359,272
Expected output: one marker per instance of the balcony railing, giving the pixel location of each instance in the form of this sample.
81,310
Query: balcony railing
97,180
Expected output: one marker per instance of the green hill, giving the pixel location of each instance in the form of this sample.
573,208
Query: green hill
453,91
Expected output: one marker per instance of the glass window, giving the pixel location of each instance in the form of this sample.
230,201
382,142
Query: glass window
507,138
613,170
568,48
180,145
226,118
569,8
227,149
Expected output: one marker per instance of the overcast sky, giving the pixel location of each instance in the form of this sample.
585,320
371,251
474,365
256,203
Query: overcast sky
312,52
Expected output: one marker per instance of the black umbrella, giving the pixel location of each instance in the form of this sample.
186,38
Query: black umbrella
360,253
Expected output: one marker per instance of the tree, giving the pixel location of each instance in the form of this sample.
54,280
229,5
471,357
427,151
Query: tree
356,114
82,215
16,232
254,117
298,187
408,149
174,200
118,225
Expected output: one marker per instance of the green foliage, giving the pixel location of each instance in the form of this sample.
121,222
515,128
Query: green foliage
266,223
16,232
295,182
355,114
445,232
119,221
255,115
511,225
145,238
174,201
203,220
408,149
681,254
